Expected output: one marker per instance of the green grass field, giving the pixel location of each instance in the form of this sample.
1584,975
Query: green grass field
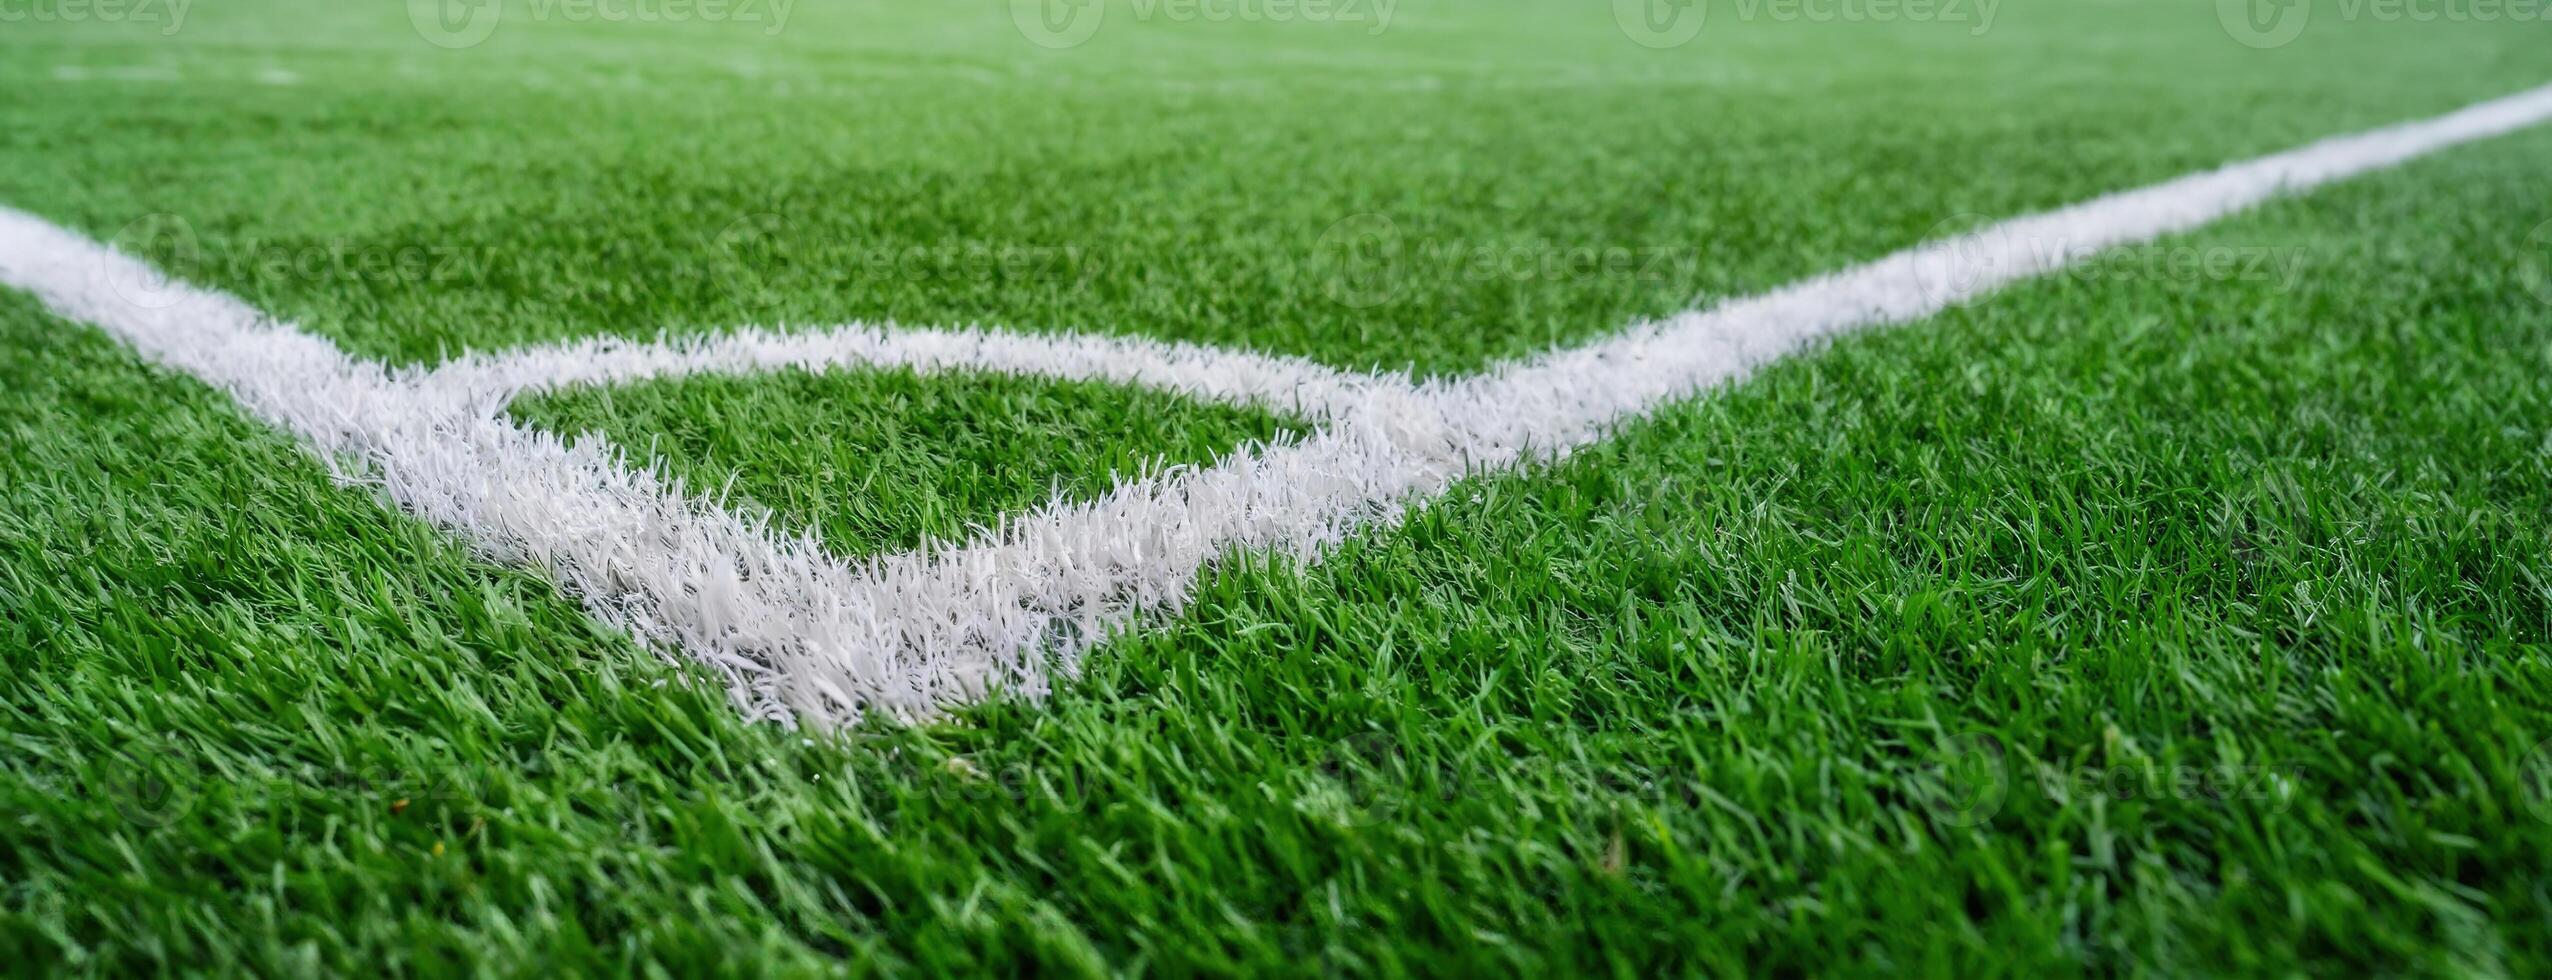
2161,616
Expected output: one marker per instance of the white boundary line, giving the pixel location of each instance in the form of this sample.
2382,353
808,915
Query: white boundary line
1312,391
802,635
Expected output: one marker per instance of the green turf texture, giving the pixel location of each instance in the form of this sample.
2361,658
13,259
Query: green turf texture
887,460
920,161
2125,622
1679,699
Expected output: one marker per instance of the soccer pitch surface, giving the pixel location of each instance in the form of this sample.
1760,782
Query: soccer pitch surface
1353,487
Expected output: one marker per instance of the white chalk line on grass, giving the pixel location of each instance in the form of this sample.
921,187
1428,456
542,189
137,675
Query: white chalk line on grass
669,566
802,635
1308,390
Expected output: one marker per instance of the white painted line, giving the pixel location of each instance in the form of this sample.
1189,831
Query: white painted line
1308,390
642,555
1567,397
802,635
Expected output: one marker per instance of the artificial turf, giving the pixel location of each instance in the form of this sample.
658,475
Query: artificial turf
2137,620
889,460
1230,183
